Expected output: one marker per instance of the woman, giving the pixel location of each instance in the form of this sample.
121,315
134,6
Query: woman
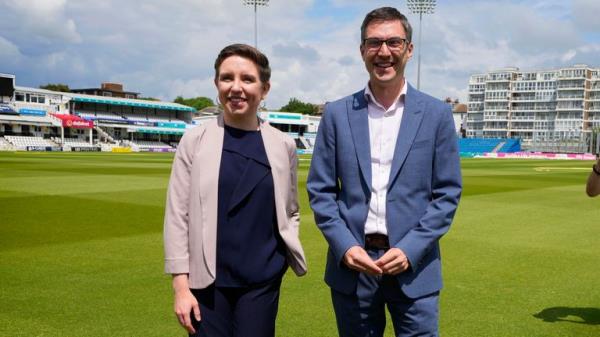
231,220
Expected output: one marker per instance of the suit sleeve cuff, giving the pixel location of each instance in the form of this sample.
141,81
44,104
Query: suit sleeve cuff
341,247
413,253
177,266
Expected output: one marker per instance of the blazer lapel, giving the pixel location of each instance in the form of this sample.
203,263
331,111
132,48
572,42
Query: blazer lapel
358,117
411,120
279,162
276,153
209,158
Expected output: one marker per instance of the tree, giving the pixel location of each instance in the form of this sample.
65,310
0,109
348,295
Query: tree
197,103
56,87
149,99
296,105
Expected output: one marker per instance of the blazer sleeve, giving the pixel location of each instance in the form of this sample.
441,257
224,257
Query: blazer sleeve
445,194
293,208
176,211
323,189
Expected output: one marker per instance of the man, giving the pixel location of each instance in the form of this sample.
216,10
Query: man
384,185
592,187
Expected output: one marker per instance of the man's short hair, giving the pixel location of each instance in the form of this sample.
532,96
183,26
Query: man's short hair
248,52
385,14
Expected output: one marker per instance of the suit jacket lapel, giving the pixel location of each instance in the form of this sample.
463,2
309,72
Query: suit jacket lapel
411,120
358,117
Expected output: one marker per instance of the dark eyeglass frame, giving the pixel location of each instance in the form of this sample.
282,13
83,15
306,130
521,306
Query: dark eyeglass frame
395,43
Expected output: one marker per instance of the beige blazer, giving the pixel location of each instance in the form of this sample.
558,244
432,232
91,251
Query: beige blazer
190,227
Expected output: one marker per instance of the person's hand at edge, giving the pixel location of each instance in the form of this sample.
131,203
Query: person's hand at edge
357,258
185,302
393,262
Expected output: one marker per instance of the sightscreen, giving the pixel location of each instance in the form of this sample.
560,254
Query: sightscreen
6,86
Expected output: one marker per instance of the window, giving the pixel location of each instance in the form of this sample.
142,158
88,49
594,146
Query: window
19,96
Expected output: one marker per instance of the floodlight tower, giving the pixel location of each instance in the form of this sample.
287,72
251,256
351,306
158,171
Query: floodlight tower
256,3
420,7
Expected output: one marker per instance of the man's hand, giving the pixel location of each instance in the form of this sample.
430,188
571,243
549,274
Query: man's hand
357,258
393,262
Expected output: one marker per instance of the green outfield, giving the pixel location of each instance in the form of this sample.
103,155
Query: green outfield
81,251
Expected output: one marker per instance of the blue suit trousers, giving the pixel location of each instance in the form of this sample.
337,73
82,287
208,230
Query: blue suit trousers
362,314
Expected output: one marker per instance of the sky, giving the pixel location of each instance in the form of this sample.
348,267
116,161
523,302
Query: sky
166,49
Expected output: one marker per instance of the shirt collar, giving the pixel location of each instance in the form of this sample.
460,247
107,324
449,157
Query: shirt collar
401,97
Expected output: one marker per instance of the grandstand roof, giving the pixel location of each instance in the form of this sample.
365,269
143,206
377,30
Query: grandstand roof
27,120
39,91
128,102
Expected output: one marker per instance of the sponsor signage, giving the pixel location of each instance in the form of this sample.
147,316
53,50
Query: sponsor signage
111,121
121,149
75,122
142,123
164,149
85,149
170,125
32,112
283,116
6,109
44,148
78,124
162,132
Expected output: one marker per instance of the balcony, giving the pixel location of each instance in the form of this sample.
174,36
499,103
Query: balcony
569,98
570,87
578,110
522,119
496,119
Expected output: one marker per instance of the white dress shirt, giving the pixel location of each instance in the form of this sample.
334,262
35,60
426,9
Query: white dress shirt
384,126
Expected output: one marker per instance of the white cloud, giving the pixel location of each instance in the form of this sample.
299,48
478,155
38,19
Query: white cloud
44,21
569,55
8,50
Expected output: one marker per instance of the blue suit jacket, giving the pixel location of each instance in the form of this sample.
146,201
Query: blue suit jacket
423,192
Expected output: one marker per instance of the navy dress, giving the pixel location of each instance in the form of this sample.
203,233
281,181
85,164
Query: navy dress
251,260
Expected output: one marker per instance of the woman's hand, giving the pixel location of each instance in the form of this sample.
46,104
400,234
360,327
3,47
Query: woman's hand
185,303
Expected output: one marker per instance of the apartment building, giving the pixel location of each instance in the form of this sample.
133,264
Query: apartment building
535,106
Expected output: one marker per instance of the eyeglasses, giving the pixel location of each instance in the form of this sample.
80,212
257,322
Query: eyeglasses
396,43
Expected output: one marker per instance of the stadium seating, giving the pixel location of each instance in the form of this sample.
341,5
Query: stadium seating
510,146
5,145
76,142
22,142
144,144
98,115
485,145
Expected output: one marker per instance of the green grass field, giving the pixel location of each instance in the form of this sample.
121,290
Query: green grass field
81,251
